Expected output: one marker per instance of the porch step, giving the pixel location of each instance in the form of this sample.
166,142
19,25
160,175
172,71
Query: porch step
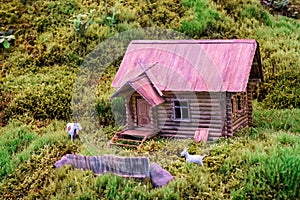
124,145
128,140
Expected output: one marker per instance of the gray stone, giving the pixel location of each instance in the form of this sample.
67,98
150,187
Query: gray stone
62,162
159,176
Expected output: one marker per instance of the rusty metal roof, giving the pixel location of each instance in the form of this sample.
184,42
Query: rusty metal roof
143,86
190,65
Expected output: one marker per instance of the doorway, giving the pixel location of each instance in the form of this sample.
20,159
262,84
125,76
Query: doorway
143,113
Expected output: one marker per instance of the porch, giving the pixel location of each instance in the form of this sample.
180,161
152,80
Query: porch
132,138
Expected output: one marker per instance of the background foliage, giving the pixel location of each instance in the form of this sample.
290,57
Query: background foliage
258,163
38,72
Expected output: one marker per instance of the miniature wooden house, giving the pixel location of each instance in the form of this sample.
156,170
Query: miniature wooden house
176,88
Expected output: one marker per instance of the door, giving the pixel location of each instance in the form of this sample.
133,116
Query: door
143,110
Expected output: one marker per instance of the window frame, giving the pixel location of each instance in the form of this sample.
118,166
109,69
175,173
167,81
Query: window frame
181,119
238,102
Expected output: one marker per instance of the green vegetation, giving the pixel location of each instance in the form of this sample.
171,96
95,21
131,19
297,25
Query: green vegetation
82,22
6,40
37,75
49,47
261,162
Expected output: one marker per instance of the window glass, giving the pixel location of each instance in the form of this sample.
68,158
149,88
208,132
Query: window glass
184,104
176,103
181,110
185,113
177,113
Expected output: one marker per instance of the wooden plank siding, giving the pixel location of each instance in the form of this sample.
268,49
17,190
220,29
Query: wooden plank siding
243,115
129,113
216,111
207,110
154,119
250,89
229,117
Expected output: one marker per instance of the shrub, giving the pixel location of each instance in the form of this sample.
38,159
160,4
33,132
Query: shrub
34,174
45,95
276,175
111,112
30,157
119,111
205,18
13,141
276,120
5,99
103,109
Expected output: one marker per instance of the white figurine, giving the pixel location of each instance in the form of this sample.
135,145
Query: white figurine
192,158
73,129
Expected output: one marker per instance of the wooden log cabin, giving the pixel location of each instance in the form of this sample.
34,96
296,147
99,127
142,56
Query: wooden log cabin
177,88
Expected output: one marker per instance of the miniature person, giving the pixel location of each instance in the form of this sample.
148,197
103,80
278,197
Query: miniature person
73,129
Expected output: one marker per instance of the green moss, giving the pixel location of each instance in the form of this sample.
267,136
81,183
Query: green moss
205,17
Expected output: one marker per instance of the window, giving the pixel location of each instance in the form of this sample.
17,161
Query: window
239,103
181,110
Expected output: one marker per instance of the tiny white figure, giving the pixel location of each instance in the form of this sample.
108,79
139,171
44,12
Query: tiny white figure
73,129
192,158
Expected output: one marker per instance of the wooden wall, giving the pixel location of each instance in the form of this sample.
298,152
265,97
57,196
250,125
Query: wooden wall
207,110
242,117
250,90
216,111
129,113
229,116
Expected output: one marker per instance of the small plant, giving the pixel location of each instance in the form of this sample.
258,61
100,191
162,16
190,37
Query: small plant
281,4
282,7
112,19
83,21
104,112
6,41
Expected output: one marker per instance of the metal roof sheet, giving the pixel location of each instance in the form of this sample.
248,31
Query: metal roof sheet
189,65
143,86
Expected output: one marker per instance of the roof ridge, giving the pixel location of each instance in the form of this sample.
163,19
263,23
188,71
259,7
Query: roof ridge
204,41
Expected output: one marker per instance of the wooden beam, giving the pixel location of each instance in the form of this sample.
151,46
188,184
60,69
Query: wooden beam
229,117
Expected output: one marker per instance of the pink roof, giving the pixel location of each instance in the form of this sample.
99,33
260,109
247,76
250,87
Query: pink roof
143,86
189,65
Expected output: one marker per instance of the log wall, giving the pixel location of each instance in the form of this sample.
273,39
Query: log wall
240,117
229,116
216,111
207,110
250,89
129,113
